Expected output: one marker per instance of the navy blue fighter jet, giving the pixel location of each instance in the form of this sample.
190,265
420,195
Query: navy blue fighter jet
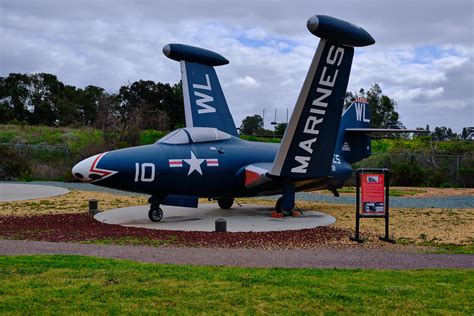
207,159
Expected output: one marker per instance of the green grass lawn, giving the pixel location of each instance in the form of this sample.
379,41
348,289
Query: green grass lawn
74,284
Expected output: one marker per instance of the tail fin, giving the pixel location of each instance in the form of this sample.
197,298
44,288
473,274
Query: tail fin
353,140
353,147
204,100
307,147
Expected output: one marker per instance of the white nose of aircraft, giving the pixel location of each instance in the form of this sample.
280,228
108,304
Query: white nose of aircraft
87,170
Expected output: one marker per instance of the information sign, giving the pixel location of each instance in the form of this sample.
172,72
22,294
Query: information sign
373,193
372,197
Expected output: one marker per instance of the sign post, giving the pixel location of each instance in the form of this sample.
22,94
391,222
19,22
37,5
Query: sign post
373,201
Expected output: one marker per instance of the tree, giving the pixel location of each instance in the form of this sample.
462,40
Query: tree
382,107
43,99
152,105
251,124
14,95
175,106
280,129
443,133
464,133
106,118
383,114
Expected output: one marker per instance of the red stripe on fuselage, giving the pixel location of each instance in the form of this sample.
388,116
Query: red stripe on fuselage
99,171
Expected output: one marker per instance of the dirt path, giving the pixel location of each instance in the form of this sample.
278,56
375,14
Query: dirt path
436,192
319,258
413,192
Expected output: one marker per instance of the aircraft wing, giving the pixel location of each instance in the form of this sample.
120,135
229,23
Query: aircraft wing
204,100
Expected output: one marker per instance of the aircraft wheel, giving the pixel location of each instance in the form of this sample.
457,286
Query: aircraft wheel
279,208
278,205
225,204
155,214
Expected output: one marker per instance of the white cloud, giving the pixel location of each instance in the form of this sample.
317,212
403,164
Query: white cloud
418,93
423,56
246,82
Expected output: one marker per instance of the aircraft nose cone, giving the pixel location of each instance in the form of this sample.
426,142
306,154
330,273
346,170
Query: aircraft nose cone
87,170
82,169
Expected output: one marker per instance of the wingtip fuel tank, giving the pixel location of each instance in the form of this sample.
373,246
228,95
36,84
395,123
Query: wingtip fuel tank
339,31
189,53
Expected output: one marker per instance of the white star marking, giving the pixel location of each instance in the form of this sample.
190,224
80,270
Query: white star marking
194,164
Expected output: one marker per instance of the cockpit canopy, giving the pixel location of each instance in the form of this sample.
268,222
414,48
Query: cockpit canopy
194,135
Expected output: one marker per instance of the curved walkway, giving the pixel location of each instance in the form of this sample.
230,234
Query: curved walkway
458,202
357,258
22,191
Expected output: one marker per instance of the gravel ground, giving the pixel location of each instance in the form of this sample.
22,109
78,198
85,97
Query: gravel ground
82,227
319,258
452,202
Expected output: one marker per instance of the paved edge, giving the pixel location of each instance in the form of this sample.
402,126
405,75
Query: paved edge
11,192
354,258
246,218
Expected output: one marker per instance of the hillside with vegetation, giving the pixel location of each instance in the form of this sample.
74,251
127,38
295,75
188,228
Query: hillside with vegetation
47,126
48,153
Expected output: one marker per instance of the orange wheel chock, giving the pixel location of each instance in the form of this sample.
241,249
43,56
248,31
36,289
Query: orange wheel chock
276,214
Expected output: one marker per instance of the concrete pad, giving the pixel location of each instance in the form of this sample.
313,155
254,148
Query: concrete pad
255,218
18,192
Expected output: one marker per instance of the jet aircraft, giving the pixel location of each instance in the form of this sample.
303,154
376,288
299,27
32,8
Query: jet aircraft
207,159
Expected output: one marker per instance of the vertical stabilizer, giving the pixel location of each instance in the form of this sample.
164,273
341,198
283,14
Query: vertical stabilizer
353,147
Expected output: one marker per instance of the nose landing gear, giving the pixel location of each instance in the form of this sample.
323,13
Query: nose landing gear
155,214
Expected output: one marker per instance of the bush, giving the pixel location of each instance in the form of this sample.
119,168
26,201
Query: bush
406,172
150,136
466,173
14,165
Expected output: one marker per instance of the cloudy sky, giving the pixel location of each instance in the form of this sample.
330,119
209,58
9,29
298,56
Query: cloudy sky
423,57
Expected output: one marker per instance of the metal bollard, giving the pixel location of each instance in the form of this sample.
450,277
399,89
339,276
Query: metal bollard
93,207
221,225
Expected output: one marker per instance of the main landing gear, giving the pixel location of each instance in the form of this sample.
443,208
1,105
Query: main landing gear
285,206
225,203
155,214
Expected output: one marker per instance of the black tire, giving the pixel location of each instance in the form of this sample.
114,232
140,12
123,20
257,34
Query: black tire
226,203
155,214
278,205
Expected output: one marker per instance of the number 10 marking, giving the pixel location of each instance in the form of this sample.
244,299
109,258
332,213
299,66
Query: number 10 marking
146,173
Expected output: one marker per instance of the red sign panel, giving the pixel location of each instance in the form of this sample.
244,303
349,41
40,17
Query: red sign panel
373,193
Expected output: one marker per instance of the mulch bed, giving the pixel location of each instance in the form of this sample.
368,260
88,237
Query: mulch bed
82,227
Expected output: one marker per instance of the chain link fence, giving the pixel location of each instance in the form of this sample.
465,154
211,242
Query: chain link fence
436,170
46,162
35,162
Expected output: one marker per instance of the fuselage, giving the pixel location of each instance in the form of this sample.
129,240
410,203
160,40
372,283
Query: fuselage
204,169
